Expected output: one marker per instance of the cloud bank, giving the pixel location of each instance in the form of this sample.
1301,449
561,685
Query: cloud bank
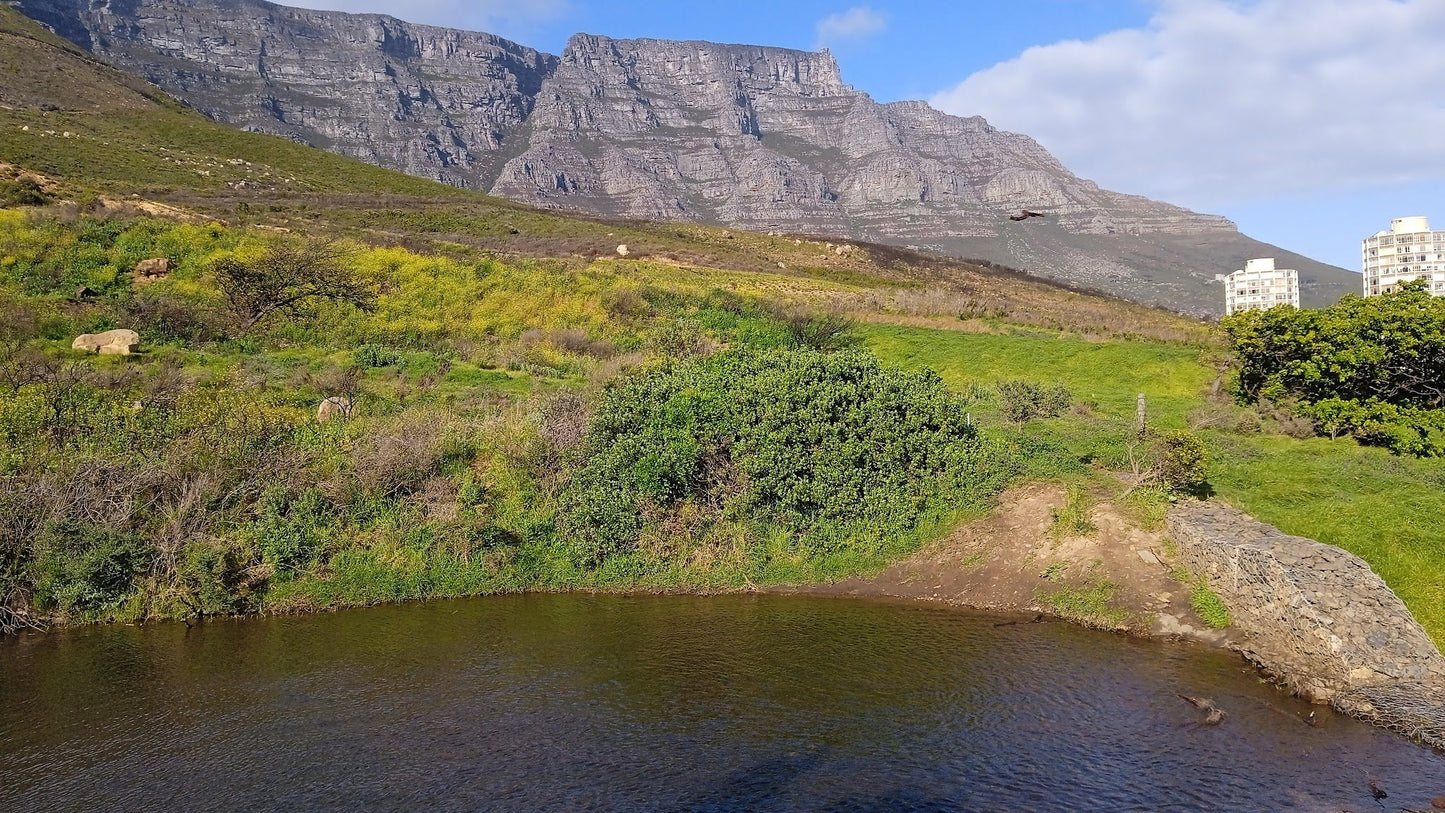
859,22
1219,101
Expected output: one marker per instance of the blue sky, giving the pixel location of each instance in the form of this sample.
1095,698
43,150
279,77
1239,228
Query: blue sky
1311,123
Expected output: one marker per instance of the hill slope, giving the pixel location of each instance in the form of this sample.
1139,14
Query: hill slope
748,136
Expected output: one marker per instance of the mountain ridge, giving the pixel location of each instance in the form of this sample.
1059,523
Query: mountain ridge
751,136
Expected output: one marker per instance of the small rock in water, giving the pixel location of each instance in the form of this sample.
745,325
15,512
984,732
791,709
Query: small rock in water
1377,791
1438,802
1215,714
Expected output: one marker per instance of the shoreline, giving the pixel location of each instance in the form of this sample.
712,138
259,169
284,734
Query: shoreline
1116,578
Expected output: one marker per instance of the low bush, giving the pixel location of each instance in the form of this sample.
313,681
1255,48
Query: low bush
85,569
376,355
1023,401
22,191
1403,430
1182,462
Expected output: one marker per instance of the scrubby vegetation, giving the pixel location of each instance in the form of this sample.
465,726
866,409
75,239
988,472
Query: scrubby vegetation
733,441
833,449
476,337
1380,506
1023,401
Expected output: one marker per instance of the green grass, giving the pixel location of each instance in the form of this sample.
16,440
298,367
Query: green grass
1385,509
1209,606
1075,516
1091,604
1110,374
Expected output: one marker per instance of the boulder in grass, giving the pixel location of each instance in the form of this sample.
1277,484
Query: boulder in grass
332,408
109,343
152,270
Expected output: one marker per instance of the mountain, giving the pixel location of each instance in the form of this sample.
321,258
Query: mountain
762,138
99,140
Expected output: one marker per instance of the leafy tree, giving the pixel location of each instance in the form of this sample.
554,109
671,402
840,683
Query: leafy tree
1373,367
291,279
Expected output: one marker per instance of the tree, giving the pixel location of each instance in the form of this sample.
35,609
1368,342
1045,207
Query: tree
291,279
1373,367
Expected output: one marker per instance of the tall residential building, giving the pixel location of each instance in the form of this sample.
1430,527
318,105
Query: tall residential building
1409,250
1260,286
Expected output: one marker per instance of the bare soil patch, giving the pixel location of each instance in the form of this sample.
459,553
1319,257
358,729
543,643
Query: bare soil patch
1117,576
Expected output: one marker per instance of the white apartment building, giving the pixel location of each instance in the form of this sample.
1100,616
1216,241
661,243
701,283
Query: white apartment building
1260,286
1409,250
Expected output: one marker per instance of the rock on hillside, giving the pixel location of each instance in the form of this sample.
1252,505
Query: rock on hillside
758,137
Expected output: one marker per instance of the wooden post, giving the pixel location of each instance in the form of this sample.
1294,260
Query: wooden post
1139,415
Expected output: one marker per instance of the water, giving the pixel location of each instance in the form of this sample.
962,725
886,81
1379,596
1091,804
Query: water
611,703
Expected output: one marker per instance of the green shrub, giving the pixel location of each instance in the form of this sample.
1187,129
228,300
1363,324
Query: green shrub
1183,462
22,191
214,579
1023,401
1371,367
1403,430
835,447
376,355
820,332
84,568
290,532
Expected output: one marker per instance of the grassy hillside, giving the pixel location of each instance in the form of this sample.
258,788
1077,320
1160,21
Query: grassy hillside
130,147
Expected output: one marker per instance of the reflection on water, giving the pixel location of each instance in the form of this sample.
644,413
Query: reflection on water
568,702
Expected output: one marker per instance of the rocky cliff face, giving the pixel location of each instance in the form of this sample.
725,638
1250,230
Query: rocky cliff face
768,137
757,137
429,101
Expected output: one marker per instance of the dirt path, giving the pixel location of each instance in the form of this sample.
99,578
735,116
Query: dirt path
1116,577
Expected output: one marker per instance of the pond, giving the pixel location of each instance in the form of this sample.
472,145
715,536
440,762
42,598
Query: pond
572,702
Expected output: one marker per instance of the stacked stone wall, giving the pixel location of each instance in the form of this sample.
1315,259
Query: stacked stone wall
1317,618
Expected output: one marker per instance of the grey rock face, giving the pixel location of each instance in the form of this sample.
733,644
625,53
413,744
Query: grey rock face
761,138
769,137
433,102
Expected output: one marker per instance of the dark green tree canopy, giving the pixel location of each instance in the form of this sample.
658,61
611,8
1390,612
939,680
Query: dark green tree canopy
1356,366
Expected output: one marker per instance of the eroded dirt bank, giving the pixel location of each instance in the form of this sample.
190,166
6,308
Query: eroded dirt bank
1118,576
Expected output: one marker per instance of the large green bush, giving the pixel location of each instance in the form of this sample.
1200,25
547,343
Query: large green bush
834,447
1371,367
83,568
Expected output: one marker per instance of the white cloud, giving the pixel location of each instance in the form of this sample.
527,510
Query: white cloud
1220,101
492,16
859,22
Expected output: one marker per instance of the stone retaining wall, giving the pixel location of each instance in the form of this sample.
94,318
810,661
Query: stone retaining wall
1317,618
